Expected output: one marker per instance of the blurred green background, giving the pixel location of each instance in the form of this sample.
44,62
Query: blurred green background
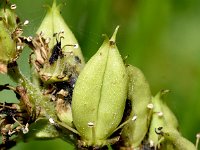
161,37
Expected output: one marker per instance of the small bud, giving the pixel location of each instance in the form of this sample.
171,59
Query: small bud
100,93
140,95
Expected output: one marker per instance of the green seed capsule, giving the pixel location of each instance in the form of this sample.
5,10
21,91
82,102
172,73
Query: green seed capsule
99,96
163,118
8,51
140,95
59,57
156,121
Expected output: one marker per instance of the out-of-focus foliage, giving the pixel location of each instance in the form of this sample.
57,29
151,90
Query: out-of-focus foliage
160,36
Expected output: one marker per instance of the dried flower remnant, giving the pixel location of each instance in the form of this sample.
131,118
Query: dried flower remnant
14,120
59,63
56,62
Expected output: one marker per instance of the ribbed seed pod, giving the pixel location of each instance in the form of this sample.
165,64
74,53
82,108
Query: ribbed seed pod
99,96
140,96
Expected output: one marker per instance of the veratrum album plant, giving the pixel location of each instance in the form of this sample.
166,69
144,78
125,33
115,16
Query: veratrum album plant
101,104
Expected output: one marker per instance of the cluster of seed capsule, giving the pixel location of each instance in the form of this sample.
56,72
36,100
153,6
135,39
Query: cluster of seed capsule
104,102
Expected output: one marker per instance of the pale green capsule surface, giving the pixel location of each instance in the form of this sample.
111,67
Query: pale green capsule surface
100,92
140,95
169,117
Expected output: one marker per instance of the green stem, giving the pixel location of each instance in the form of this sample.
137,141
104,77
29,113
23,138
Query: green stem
15,73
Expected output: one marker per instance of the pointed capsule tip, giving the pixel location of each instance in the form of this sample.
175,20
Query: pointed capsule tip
54,3
113,38
56,7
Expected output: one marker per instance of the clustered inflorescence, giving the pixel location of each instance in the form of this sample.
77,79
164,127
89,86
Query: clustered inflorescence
103,103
